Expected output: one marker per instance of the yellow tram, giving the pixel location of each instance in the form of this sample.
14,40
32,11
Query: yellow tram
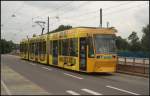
24,45
84,49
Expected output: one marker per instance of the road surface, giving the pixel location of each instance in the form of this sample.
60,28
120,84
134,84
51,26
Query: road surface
42,79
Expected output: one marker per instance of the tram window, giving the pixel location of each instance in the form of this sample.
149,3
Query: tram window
20,47
91,51
23,47
36,48
33,51
44,47
60,47
55,47
26,48
40,47
74,47
65,47
51,47
30,47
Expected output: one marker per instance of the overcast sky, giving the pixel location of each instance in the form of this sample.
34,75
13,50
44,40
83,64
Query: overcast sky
125,16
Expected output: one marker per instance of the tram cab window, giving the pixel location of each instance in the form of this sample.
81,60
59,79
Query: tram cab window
91,50
105,44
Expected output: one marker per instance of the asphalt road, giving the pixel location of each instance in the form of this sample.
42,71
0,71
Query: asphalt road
58,81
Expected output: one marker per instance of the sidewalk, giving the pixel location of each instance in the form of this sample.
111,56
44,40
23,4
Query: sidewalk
12,83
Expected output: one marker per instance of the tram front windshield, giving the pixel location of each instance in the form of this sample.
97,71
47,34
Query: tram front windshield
105,44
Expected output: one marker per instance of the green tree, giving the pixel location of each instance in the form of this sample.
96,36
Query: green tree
146,38
61,28
6,46
134,42
121,43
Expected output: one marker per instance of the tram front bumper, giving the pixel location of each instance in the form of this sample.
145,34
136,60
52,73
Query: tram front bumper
105,66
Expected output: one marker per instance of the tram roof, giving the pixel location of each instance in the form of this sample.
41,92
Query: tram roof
83,27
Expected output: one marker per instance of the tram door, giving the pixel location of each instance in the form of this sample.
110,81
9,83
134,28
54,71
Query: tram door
83,48
55,52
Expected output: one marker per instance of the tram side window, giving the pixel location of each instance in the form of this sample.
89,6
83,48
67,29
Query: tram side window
91,50
65,47
36,48
60,51
74,47
40,47
50,51
55,47
20,47
30,46
25,48
44,47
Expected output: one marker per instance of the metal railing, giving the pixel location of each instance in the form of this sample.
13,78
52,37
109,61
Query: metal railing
133,65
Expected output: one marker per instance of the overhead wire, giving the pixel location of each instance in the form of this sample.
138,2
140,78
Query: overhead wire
63,7
104,9
80,7
118,5
50,11
115,12
57,8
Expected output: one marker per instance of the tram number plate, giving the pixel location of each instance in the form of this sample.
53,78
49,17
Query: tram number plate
107,57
